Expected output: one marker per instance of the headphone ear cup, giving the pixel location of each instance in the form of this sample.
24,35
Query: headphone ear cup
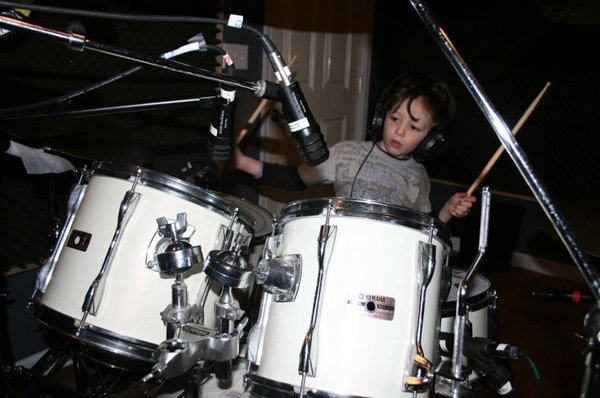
376,130
430,147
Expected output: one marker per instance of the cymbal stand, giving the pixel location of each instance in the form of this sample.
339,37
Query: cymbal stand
579,256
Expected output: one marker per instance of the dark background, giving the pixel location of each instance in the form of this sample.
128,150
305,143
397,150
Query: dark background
512,48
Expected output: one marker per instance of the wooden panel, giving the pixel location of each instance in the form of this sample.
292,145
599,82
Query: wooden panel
320,16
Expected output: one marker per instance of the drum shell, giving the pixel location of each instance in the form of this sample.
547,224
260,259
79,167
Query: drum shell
134,295
356,353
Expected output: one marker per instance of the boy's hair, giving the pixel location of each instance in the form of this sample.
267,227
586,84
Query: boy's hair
438,98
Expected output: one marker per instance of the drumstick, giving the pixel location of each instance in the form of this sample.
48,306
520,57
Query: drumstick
500,149
256,112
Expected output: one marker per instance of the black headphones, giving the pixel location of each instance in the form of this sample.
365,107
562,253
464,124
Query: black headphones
436,140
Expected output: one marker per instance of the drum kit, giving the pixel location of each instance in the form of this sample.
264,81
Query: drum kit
357,298
354,294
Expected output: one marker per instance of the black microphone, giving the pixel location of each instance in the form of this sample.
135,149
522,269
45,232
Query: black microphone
481,352
221,134
306,132
478,347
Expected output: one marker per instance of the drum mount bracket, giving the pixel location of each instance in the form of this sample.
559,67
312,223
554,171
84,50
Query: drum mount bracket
195,343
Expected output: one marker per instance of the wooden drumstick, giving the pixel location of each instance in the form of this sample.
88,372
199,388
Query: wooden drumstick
500,150
256,112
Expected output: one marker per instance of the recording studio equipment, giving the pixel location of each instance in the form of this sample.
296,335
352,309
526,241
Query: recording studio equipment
221,133
306,132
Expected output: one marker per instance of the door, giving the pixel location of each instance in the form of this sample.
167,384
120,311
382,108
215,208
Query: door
330,41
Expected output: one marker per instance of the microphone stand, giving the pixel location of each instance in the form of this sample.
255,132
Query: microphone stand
79,42
204,102
520,160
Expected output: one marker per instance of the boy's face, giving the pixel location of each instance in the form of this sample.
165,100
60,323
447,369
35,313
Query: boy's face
403,133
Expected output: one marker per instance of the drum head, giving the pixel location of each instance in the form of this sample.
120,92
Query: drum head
256,219
480,293
369,209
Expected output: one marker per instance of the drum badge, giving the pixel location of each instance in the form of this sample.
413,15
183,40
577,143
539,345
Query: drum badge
371,305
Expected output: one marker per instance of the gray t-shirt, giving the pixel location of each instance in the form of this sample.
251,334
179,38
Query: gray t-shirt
384,178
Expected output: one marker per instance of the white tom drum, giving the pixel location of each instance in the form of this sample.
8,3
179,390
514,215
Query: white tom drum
134,290
365,316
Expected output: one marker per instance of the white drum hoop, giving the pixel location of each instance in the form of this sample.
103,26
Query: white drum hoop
255,218
368,209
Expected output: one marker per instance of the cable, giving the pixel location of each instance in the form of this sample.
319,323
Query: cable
536,373
359,169
124,17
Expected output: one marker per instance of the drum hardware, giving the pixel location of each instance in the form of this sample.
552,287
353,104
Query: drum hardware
305,366
230,269
420,375
94,294
458,380
192,342
481,323
195,342
46,270
163,254
255,340
178,256
279,274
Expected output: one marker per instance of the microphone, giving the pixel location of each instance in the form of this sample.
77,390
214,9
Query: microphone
306,132
478,347
480,352
221,137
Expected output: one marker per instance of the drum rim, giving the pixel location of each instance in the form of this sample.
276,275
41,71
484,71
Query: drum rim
266,388
252,216
106,341
366,208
